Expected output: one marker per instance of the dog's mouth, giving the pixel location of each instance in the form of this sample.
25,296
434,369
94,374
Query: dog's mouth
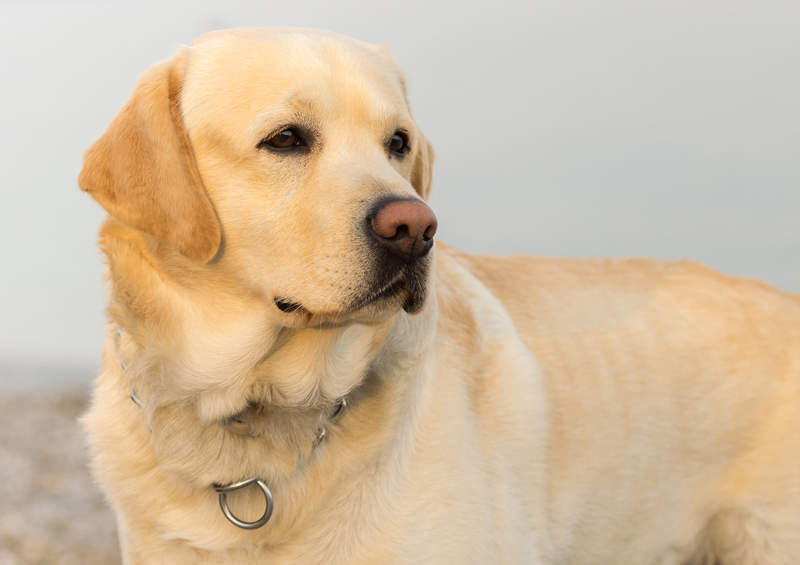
286,305
384,292
410,282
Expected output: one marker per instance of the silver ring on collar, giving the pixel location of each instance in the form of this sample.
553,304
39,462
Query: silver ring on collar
223,502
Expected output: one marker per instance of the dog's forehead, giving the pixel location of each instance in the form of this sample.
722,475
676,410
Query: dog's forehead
244,72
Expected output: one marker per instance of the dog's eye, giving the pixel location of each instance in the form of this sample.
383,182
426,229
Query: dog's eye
399,143
284,139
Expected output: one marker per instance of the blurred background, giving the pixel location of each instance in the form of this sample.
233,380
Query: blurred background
666,129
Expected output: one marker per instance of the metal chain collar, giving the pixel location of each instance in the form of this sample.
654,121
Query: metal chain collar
223,490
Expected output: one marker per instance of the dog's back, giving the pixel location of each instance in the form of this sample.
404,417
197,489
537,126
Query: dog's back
674,406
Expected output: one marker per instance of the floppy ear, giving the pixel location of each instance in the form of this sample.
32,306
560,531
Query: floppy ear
422,171
143,172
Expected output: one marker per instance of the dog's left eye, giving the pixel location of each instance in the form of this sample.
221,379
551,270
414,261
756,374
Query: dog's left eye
399,143
283,140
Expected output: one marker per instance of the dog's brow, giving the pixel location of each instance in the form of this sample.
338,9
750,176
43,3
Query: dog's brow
303,102
379,105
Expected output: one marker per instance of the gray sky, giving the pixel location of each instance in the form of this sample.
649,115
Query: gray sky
667,129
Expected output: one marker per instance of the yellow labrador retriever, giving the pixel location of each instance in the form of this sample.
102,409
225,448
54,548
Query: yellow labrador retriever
294,373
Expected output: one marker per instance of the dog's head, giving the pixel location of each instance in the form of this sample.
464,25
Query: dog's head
285,159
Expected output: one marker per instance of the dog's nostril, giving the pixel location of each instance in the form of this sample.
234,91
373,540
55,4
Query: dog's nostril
402,231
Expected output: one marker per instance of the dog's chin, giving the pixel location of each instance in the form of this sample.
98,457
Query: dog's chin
377,307
406,290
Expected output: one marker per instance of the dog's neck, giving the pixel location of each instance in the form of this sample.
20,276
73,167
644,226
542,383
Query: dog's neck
282,402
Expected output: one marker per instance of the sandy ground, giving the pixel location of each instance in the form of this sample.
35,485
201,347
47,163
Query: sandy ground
52,513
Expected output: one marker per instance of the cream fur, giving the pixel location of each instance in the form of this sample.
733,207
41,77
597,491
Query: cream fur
534,411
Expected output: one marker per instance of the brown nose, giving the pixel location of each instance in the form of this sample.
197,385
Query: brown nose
404,227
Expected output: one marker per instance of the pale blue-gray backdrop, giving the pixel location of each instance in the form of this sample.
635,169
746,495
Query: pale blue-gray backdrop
667,129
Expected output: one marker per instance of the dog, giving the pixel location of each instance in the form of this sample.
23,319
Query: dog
296,371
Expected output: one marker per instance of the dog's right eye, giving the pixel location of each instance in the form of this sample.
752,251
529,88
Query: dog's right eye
283,140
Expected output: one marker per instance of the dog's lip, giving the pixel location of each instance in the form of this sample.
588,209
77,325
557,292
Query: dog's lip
386,291
286,305
289,306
